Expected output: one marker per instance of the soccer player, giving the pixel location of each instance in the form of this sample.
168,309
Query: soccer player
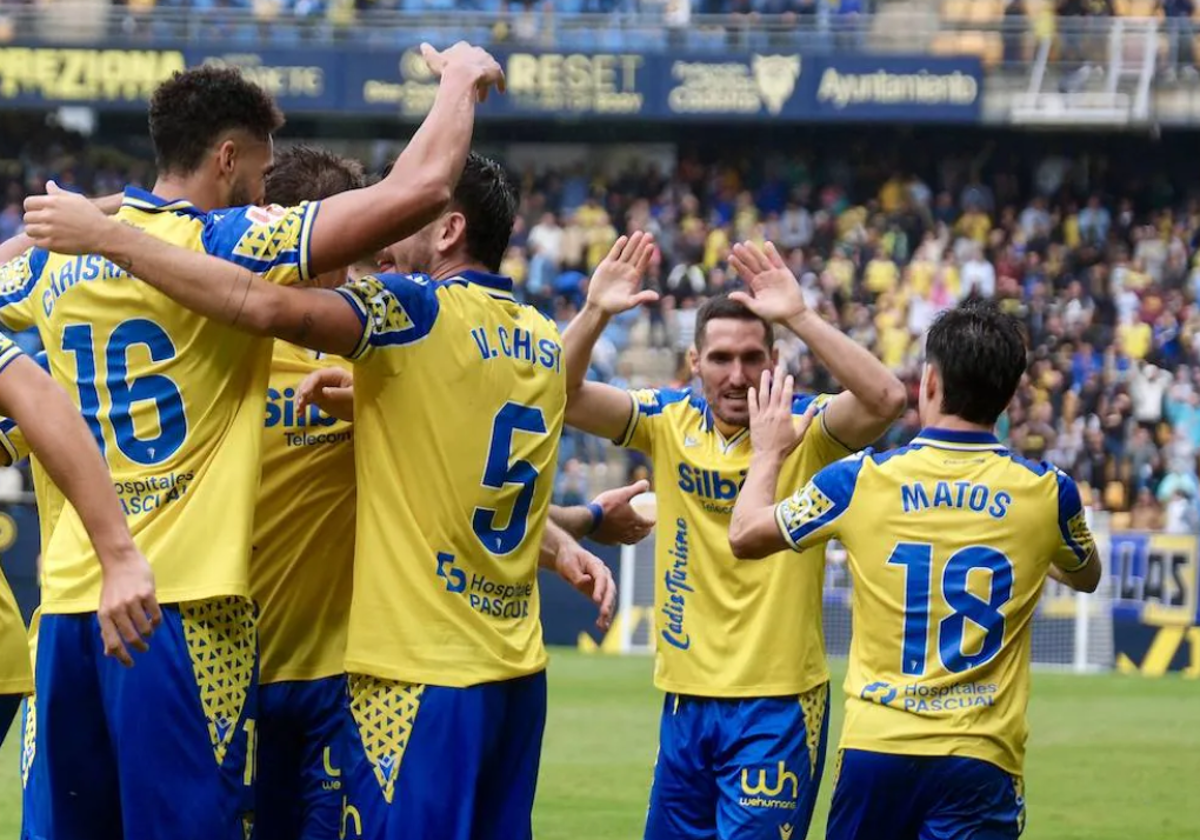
459,396
950,540
176,402
609,519
740,652
40,418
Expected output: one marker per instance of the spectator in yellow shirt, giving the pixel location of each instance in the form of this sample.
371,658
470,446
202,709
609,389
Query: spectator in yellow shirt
975,225
716,248
882,276
1134,338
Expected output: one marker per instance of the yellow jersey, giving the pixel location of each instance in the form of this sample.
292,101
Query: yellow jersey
459,395
15,675
174,400
949,541
725,628
300,572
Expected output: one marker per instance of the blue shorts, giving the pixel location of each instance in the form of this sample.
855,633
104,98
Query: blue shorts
32,773
738,769
299,786
425,761
879,796
153,752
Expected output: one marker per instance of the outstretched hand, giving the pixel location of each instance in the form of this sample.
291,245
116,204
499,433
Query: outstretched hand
774,429
616,284
774,293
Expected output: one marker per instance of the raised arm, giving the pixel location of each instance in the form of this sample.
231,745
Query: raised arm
420,184
873,398
774,434
128,611
615,286
1076,561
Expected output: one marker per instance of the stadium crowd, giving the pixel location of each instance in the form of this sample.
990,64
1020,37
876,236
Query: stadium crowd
1106,283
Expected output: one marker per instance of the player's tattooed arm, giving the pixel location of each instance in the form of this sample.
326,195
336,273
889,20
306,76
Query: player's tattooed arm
615,287
609,519
128,611
223,291
586,572
874,397
774,434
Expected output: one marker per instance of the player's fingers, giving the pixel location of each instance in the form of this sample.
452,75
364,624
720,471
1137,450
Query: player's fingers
752,405
645,254
153,610
432,57
632,245
113,646
780,381
643,298
128,631
609,603
614,253
141,622
638,487
774,257
739,267
764,391
740,297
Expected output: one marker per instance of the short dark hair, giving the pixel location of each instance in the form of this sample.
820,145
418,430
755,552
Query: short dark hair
307,173
488,199
193,108
980,354
722,306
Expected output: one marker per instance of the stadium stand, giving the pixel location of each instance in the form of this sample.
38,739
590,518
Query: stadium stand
1106,284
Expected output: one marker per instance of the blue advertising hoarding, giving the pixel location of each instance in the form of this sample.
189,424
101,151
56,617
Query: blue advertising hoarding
783,87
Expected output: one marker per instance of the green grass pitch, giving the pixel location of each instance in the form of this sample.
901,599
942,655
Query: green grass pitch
1110,757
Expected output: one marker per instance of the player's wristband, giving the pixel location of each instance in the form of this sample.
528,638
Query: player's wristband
597,513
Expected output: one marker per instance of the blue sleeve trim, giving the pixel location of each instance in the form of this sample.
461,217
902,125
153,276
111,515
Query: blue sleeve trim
408,298
361,312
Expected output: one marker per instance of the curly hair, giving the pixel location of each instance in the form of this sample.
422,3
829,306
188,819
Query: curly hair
193,108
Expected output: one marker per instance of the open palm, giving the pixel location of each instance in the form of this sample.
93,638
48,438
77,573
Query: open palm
774,291
616,284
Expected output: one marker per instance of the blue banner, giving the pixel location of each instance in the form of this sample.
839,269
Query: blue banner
785,87
1155,581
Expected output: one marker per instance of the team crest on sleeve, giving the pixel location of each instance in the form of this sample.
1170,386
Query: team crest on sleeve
272,231
805,506
1080,534
384,310
14,274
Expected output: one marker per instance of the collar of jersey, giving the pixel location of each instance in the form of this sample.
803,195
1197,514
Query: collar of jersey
140,199
953,439
492,282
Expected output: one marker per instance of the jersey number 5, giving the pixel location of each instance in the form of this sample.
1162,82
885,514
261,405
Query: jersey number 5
498,472
123,393
917,560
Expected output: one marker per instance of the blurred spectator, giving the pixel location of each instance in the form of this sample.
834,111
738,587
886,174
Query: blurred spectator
1181,34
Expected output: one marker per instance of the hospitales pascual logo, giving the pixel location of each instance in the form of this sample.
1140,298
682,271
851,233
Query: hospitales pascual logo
765,82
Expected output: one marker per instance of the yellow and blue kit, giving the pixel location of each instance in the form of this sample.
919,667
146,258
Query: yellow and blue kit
300,578
16,677
175,402
459,396
949,542
739,647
